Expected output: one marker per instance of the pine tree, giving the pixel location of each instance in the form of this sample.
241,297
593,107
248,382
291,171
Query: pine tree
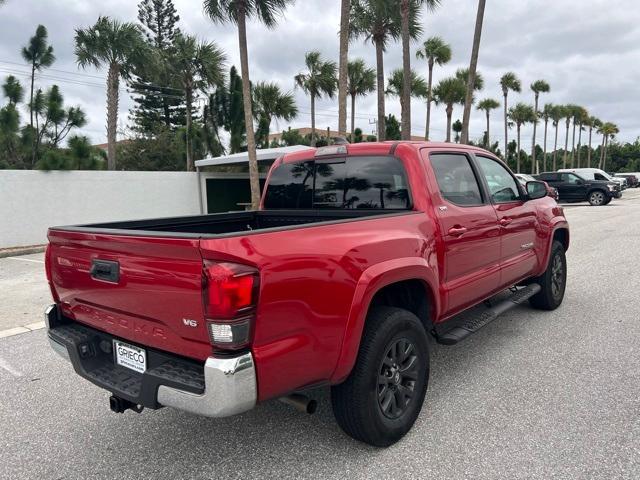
159,101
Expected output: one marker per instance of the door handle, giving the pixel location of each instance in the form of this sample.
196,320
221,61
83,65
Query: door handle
457,231
505,221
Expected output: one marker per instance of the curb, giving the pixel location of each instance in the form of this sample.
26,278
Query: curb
16,252
12,332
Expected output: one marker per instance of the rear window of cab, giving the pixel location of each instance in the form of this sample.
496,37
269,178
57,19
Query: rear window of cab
366,182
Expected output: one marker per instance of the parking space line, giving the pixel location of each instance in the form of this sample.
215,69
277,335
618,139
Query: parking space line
6,366
25,259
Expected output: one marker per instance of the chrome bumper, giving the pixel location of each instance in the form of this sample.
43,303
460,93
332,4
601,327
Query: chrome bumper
230,388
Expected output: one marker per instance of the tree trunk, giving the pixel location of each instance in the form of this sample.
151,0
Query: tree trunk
573,145
579,144
353,117
566,145
449,114
488,142
518,152
313,120
604,153
506,137
534,163
33,144
555,149
544,154
589,151
601,153
113,85
344,60
405,94
472,72
189,100
429,99
254,176
380,87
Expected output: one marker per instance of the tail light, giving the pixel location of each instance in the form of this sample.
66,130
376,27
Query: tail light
230,294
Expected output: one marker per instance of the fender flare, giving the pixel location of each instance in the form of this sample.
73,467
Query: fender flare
372,280
559,224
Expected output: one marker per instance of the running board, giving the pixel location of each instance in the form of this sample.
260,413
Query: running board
472,325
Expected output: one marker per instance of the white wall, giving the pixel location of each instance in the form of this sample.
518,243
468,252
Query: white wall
31,201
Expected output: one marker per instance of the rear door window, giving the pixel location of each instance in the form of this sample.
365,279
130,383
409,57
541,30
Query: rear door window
456,180
343,183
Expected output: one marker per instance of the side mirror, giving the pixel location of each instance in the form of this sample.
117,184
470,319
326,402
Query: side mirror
536,190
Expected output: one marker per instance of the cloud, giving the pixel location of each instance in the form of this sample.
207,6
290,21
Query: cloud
588,50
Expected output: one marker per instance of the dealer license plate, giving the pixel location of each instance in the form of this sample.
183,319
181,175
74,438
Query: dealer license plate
129,356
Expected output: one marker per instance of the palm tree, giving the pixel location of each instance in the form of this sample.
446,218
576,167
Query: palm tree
582,116
395,87
119,47
269,103
538,87
361,81
576,113
608,130
546,113
509,81
487,105
234,11
436,51
568,114
409,28
475,50
39,55
320,79
377,21
13,90
199,65
592,123
343,68
557,114
449,91
521,114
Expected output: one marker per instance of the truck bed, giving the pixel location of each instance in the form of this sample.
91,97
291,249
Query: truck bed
227,224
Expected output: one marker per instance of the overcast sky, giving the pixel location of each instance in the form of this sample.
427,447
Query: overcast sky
588,50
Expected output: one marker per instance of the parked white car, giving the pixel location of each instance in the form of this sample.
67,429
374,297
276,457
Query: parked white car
596,174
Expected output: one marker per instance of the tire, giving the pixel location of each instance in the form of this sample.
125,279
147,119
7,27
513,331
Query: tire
597,198
553,281
363,404
608,201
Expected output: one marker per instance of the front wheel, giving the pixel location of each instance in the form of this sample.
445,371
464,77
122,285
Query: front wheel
597,198
553,281
380,400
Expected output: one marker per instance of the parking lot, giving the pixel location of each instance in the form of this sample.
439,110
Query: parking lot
532,395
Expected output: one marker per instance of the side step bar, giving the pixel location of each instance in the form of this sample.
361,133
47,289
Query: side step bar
472,325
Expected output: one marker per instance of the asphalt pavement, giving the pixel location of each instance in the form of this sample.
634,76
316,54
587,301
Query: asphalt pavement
533,395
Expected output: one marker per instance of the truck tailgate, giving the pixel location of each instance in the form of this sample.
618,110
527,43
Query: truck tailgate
143,289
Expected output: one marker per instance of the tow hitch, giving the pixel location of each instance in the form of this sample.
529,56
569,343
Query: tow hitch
120,405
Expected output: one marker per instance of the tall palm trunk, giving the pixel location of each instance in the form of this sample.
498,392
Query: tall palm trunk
473,64
189,103
573,145
429,98
579,145
344,60
254,176
604,152
113,85
33,145
405,94
313,120
506,137
589,151
544,150
449,115
601,152
353,116
566,145
488,142
555,149
380,87
518,152
534,162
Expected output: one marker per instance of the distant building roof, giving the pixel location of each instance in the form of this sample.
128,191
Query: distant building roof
265,154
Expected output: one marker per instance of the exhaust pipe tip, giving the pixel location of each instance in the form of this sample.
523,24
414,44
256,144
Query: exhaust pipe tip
300,402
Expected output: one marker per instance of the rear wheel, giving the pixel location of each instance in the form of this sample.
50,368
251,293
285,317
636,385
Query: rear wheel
553,281
597,198
382,397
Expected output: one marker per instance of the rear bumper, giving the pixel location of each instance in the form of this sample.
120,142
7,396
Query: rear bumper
220,388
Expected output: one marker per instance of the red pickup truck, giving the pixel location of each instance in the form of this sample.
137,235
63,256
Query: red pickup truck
358,255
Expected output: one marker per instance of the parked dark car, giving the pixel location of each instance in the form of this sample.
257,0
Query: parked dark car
574,188
632,180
